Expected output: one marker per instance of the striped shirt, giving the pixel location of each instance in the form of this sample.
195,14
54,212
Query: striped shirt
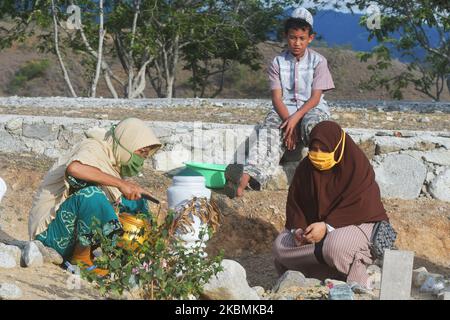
297,78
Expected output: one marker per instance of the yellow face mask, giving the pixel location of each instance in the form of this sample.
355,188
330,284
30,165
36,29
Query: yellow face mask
325,160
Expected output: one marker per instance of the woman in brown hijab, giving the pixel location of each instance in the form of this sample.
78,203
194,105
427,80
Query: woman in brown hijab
332,205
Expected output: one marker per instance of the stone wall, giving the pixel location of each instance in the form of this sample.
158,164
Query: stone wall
406,163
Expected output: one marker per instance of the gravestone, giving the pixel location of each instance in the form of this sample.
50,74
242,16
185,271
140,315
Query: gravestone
396,276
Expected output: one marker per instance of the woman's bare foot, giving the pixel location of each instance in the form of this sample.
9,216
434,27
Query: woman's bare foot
243,184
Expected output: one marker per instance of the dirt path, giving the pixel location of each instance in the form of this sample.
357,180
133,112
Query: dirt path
248,228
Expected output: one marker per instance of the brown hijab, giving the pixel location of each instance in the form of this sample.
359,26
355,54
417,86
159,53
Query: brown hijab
347,194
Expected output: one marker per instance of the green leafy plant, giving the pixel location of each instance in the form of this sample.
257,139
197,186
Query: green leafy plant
159,268
31,70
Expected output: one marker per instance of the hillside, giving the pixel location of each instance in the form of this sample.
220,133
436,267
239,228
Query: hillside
240,82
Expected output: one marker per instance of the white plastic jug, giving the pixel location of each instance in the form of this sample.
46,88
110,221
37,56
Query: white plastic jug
185,187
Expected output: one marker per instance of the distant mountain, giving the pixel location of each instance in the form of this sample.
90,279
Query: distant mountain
338,28
343,29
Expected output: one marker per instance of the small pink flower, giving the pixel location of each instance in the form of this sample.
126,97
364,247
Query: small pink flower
146,266
135,271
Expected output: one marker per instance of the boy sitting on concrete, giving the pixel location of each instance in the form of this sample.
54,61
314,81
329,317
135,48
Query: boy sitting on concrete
298,78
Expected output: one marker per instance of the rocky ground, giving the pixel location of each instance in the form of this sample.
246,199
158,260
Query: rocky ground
248,228
355,118
249,225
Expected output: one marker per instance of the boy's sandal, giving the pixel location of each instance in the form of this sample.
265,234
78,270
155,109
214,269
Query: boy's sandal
233,175
231,189
234,172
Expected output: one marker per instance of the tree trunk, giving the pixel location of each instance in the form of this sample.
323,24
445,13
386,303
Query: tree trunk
58,53
107,72
448,82
131,79
100,51
171,65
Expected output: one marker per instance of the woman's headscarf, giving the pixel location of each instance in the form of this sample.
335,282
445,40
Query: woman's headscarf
100,151
133,134
345,195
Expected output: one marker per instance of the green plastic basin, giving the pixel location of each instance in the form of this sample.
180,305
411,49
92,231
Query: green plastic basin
214,173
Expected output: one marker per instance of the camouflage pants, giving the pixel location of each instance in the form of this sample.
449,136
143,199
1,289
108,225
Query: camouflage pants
265,153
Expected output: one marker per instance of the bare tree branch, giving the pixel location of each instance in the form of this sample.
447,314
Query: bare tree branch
58,53
101,37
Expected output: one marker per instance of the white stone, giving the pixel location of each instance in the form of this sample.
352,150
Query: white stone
31,256
424,120
229,284
374,273
7,260
419,276
9,291
311,282
278,180
333,282
14,251
51,255
259,291
14,126
290,279
418,155
440,157
440,186
393,144
170,160
400,176
41,131
430,177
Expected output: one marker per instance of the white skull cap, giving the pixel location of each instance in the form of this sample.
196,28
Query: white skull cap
302,13
2,188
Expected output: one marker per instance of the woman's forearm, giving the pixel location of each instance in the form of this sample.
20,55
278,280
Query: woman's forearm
92,174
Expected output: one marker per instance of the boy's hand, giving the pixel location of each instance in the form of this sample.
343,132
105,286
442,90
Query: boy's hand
291,141
290,124
315,232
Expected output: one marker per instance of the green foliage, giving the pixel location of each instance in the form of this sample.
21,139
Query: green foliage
410,19
161,267
32,69
224,33
247,82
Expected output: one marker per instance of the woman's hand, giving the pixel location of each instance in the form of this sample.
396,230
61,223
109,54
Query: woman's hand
299,237
315,232
131,191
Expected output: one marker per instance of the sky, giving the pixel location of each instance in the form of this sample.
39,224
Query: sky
310,3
